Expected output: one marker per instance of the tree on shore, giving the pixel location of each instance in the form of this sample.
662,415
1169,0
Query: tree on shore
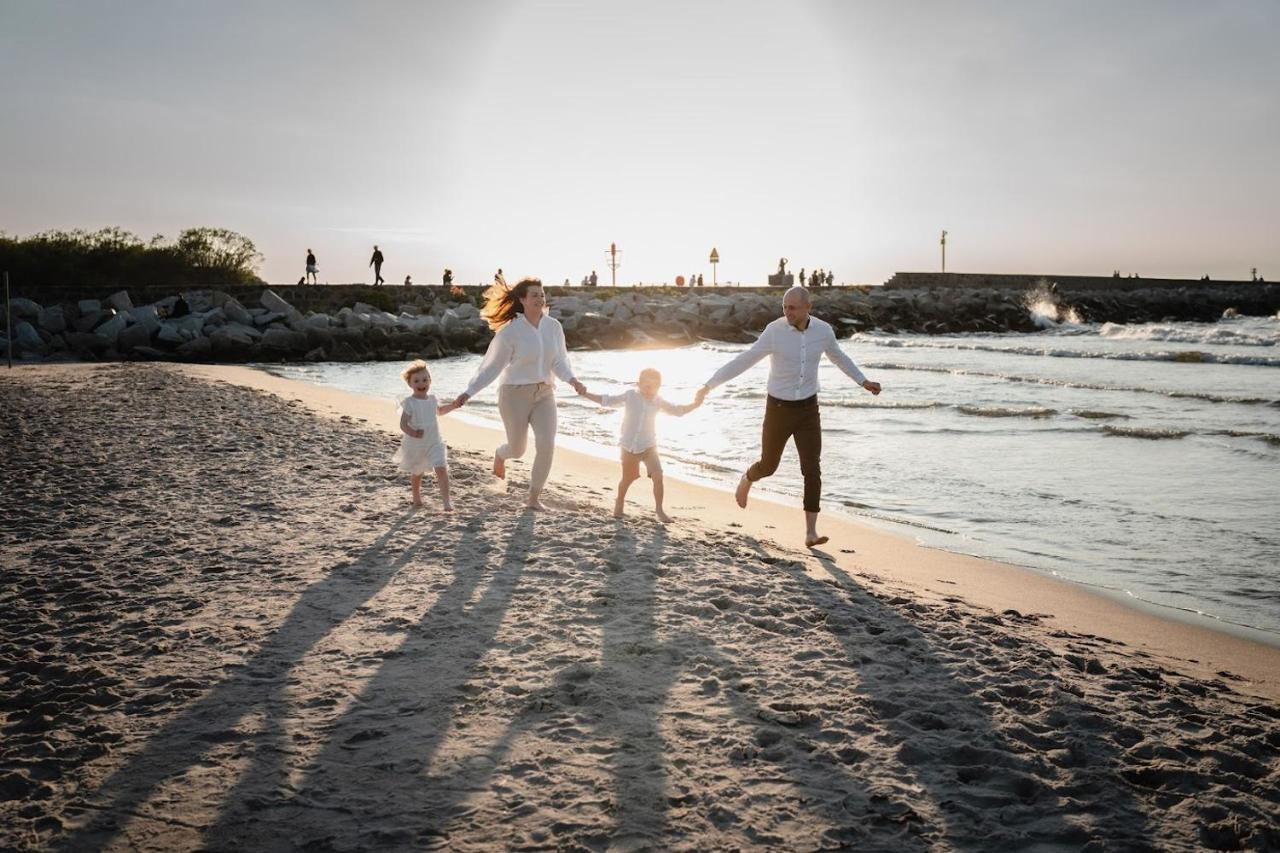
114,257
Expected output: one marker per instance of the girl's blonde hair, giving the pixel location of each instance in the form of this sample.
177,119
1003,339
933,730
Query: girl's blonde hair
408,372
502,303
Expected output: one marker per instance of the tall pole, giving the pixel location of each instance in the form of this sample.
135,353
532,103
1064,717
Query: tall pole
944,251
715,259
8,320
613,262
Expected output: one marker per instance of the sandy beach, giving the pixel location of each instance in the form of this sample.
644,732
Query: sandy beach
225,628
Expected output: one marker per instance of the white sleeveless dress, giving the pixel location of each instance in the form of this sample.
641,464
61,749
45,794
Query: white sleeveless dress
419,455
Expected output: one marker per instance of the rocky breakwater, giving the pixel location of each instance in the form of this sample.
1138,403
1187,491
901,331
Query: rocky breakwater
210,325
654,317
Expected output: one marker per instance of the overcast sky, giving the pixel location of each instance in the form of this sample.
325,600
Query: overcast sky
1066,137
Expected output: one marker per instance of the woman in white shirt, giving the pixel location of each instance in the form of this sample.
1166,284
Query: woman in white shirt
529,351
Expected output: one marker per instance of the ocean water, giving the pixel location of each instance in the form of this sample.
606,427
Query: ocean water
1143,459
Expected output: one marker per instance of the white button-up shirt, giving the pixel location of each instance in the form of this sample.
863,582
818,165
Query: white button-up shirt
524,354
794,357
639,431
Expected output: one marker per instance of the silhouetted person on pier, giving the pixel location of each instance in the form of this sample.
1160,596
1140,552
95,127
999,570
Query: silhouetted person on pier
699,279
594,280
802,276
408,281
499,278
447,279
312,269
376,263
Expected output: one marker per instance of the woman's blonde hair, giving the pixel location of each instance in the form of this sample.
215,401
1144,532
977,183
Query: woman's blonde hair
502,303
408,372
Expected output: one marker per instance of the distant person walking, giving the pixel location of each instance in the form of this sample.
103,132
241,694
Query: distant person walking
408,281
447,279
376,263
594,281
528,350
499,279
312,269
802,276
795,343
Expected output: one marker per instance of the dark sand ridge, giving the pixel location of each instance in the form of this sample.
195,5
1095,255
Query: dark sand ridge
292,660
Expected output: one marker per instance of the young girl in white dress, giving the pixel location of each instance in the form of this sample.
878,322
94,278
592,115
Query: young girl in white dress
421,447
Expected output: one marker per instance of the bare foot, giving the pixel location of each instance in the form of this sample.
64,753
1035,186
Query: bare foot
448,506
815,541
618,509
499,467
533,503
417,503
740,494
664,518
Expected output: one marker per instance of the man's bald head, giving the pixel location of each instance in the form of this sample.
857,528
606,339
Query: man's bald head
795,306
797,292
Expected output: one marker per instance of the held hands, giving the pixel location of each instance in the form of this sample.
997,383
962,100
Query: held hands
701,395
447,408
873,387
579,387
459,401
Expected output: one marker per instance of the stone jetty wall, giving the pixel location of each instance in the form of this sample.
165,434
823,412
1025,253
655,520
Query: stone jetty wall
360,322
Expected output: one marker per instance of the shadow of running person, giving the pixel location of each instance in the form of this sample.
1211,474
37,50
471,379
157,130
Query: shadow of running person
977,720
258,688
368,784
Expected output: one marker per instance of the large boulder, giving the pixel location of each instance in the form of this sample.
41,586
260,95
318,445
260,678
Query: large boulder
274,303
133,337
88,306
112,328
236,312
268,317
198,301
252,332
227,344
285,340
146,316
352,320
89,319
52,319
120,300
197,349
84,344
317,321
27,339
25,308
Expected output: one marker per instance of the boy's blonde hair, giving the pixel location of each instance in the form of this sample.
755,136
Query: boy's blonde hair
408,372
650,373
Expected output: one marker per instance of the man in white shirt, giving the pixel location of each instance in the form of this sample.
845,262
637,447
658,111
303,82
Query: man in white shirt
795,343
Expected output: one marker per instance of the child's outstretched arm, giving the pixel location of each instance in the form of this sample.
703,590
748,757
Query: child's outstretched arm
446,408
679,411
598,399
406,428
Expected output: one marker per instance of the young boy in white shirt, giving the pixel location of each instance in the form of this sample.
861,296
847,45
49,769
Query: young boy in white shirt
638,440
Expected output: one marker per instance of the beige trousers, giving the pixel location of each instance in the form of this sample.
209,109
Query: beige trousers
522,406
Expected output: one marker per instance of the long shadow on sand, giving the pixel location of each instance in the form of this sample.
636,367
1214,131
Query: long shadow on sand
260,685
910,758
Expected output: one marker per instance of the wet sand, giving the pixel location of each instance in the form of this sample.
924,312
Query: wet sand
225,628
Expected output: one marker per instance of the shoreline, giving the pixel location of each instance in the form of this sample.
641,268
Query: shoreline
935,574
902,528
